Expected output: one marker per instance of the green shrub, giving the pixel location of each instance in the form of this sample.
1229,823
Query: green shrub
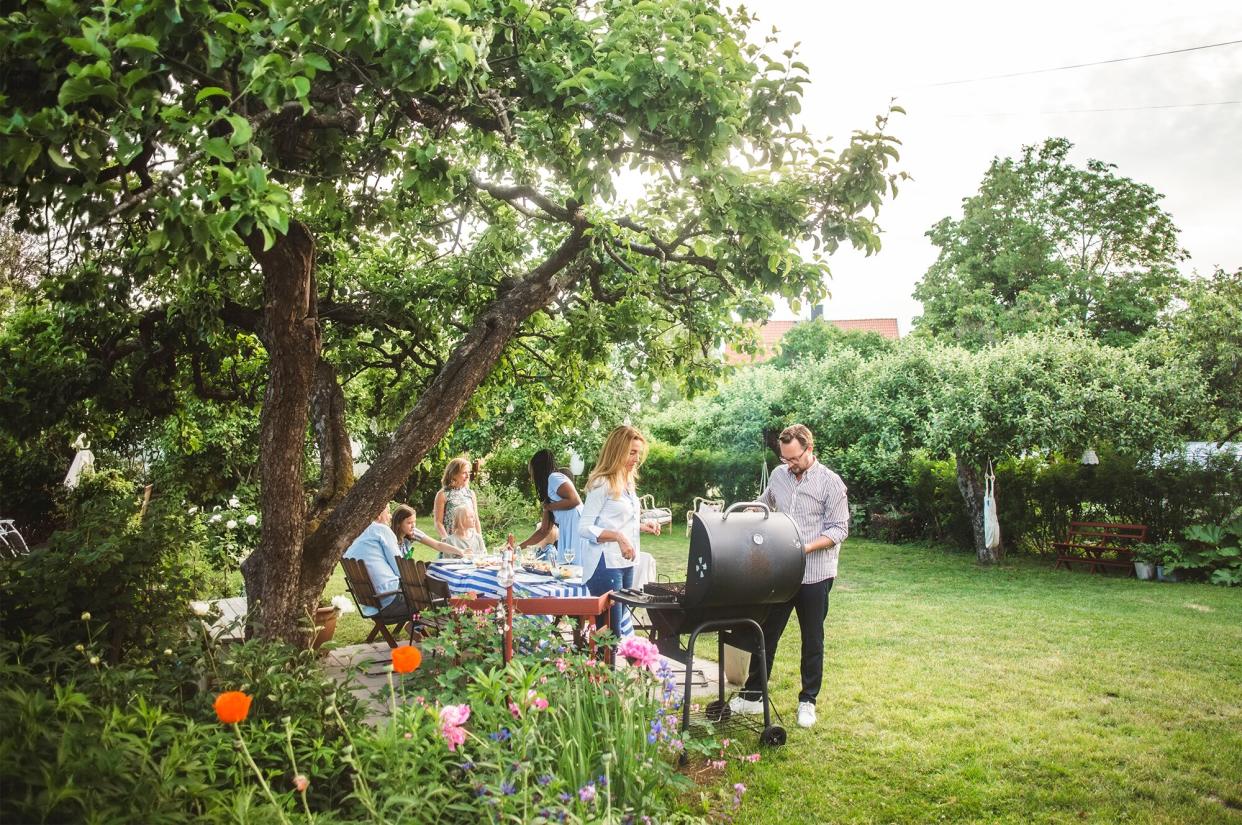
132,570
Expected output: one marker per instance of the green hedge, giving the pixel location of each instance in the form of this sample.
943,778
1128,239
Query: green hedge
1038,498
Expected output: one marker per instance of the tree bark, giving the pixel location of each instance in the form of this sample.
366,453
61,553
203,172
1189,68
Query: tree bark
336,457
970,484
290,332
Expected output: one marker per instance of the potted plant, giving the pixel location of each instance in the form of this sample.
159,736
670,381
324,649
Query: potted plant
1169,555
326,614
1146,557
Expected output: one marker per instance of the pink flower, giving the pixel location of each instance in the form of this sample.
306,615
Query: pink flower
561,665
301,783
454,715
543,680
717,764
639,652
541,703
752,757
515,710
453,735
587,793
409,735
591,663
724,743
739,789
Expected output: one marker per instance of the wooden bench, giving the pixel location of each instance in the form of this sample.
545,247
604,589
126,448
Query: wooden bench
1099,545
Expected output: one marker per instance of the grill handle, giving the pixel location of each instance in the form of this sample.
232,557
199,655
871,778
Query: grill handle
767,511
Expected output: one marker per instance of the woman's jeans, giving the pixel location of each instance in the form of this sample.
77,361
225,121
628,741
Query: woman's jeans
605,579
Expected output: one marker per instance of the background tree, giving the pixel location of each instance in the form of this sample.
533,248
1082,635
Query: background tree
1038,393
1046,244
1208,331
813,339
426,191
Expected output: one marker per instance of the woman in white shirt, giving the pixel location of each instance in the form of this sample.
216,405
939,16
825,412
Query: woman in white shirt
610,515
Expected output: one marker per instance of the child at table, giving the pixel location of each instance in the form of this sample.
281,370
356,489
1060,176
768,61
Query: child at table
465,540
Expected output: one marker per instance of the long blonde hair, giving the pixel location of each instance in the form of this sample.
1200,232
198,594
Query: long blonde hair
613,456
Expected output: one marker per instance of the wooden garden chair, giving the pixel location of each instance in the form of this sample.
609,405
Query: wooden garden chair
422,592
358,580
702,505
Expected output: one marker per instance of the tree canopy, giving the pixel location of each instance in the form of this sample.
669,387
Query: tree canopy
343,212
1046,244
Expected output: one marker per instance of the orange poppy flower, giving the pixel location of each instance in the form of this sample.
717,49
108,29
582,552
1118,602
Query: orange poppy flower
232,707
406,659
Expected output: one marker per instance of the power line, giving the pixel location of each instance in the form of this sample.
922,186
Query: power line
1083,65
1080,111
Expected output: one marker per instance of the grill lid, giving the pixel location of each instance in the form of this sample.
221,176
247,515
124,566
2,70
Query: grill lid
743,558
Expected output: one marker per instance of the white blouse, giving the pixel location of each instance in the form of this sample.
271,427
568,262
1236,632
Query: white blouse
603,512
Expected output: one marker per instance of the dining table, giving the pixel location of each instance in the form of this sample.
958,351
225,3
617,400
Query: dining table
536,591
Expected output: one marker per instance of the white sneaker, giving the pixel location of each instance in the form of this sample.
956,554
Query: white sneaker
748,706
806,714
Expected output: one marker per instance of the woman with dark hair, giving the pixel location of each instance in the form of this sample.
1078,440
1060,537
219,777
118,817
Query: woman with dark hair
562,509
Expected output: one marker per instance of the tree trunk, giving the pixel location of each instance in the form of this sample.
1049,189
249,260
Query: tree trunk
336,457
290,332
970,483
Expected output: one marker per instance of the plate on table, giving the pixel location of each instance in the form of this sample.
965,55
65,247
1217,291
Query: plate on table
539,567
531,578
570,573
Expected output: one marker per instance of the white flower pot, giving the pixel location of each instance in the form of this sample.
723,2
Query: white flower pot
1144,571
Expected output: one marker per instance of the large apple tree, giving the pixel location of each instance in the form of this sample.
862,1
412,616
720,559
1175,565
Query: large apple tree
444,189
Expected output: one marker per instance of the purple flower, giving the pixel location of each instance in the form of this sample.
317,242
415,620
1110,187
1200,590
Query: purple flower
602,781
545,779
501,735
587,793
564,797
508,788
467,766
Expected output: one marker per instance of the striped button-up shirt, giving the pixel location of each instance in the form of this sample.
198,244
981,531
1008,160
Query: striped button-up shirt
818,506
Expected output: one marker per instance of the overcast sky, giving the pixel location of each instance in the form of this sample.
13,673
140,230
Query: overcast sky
861,54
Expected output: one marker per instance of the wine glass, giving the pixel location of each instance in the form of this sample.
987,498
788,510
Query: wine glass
568,555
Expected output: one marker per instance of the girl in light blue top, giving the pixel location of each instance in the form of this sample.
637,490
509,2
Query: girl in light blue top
562,507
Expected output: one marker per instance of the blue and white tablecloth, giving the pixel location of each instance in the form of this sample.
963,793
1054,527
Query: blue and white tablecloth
463,579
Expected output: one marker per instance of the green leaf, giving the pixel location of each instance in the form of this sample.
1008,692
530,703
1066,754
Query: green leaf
210,91
241,129
218,147
317,62
143,42
301,86
58,158
459,6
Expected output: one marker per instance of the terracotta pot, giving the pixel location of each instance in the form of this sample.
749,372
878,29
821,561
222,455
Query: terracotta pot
325,620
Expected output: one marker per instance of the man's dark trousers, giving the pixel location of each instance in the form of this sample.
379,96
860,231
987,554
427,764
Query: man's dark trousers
811,605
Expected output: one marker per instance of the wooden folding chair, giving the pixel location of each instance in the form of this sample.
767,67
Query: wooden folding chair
358,580
422,592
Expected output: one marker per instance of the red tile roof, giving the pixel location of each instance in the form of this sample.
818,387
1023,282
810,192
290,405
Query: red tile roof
771,333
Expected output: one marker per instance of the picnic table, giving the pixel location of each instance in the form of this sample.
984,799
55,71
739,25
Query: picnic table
465,578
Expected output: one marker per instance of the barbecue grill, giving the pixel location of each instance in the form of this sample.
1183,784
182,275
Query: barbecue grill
740,563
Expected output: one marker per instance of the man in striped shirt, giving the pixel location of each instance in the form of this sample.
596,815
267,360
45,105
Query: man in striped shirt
815,498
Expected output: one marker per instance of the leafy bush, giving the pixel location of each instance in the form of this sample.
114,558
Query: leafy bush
1214,551
132,570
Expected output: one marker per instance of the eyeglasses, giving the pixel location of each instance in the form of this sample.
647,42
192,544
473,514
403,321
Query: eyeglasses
796,458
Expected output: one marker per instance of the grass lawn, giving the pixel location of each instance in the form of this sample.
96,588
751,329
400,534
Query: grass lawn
954,693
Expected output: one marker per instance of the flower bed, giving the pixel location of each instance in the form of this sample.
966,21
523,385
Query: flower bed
256,732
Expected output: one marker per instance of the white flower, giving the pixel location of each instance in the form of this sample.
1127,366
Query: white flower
343,604
252,519
192,510
234,502
86,616
216,518
231,524
199,608
94,660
